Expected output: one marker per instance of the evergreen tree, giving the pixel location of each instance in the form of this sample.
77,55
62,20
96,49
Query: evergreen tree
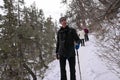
26,41
49,39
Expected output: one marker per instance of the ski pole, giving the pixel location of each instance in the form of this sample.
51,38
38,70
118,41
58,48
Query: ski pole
79,65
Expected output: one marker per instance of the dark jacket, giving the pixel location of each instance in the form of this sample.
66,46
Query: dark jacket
66,38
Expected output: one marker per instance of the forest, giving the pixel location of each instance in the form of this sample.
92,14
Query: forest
27,37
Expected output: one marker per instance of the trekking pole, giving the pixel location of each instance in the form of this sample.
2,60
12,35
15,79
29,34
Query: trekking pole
79,65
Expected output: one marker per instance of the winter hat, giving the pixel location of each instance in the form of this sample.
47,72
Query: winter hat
61,19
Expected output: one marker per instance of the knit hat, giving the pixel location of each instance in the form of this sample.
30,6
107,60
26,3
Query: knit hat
62,19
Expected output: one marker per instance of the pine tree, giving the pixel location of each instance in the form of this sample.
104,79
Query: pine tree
26,41
8,44
49,40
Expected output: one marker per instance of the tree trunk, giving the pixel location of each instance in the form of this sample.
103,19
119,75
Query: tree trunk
30,71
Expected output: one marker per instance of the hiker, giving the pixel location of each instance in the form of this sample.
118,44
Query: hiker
81,34
65,48
86,34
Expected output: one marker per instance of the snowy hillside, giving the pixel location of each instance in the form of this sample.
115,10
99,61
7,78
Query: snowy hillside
92,68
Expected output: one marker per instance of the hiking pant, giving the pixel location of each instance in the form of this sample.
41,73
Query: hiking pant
71,62
86,37
82,42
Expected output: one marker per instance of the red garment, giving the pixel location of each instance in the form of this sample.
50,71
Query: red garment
86,30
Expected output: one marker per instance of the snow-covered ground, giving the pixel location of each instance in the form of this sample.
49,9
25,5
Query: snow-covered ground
92,68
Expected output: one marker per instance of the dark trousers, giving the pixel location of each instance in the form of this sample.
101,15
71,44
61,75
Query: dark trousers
71,61
82,42
86,37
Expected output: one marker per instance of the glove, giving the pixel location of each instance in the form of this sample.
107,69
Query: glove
77,46
57,56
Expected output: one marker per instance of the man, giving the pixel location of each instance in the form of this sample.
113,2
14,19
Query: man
66,38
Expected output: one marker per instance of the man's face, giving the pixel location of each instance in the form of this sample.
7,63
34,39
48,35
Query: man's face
63,23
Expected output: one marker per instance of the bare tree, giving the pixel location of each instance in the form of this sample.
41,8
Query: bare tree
102,18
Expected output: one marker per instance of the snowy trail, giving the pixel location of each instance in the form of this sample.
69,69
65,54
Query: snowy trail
92,68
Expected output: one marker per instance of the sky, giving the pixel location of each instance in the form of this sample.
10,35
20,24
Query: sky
50,7
91,66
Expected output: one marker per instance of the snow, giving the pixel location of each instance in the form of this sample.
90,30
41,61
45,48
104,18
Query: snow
92,67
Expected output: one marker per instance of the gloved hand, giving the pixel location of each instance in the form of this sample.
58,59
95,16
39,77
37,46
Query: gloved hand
77,46
57,56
